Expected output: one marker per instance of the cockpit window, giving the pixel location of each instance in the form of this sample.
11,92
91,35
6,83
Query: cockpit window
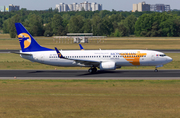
161,55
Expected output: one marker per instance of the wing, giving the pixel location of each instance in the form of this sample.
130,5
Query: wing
79,61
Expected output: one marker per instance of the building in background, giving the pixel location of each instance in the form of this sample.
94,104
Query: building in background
160,8
149,7
79,7
141,7
1,8
9,8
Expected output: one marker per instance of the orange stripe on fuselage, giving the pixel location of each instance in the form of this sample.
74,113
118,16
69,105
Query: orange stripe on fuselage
133,58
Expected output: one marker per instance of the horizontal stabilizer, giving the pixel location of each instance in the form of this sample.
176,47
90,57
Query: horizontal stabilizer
21,53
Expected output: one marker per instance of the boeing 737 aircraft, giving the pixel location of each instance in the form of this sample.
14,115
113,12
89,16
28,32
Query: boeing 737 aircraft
102,59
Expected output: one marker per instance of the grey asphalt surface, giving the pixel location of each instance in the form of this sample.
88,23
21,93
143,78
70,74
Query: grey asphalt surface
164,51
84,74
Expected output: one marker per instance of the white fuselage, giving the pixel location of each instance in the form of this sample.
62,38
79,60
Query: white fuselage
119,57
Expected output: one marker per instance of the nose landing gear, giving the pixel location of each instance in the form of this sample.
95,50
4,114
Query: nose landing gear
156,70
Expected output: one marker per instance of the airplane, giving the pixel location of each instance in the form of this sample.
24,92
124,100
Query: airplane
102,59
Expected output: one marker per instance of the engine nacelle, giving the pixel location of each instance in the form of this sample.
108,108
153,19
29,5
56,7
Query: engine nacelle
107,66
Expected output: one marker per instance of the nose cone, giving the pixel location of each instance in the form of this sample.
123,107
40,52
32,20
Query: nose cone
169,59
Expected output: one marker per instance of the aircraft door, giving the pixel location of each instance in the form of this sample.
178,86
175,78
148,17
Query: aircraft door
152,56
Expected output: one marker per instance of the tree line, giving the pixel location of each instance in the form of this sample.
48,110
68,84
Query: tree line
100,23
158,25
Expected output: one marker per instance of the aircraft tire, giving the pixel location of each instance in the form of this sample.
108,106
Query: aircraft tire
156,70
94,70
90,70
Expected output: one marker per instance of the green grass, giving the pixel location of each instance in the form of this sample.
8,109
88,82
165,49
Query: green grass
107,43
89,98
13,61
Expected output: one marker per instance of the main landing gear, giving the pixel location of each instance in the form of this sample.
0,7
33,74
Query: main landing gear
92,70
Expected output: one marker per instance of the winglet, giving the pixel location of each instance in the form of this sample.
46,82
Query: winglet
58,53
81,48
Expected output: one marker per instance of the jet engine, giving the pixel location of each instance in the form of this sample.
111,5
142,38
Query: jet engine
107,66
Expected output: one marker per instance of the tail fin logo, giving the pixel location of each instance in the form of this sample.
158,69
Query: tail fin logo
59,55
25,38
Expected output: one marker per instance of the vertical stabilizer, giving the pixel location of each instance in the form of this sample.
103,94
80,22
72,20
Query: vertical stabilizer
27,42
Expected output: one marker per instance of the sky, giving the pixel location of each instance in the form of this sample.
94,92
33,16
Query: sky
125,5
